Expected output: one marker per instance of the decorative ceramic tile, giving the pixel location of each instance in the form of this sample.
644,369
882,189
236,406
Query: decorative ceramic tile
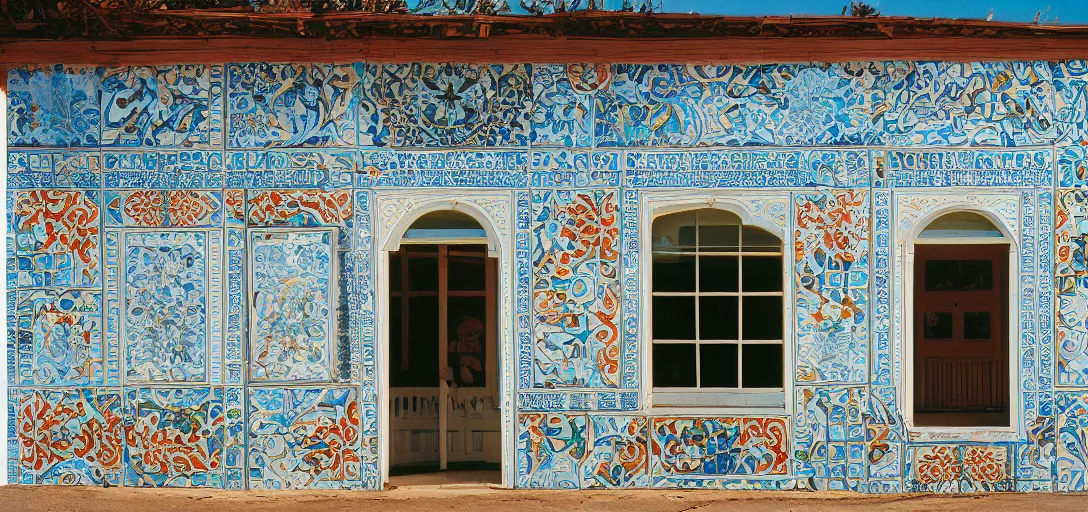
68,169
162,106
707,105
976,104
446,104
719,446
72,437
177,437
292,324
971,168
551,448
159,208
54,106
172,170
619,455
56,237
563,104
831,241
826,420
730,168
289,169
1070,100
291,105
166,306
1072,441
1071,236
303,438
959,468
60,338
1072,166
576,288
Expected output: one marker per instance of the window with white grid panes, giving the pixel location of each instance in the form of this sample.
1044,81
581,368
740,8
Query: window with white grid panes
716,303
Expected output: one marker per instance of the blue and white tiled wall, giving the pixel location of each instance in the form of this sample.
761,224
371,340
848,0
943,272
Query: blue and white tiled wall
139,199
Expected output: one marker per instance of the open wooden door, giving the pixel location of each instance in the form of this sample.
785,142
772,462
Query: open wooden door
961,344
443,353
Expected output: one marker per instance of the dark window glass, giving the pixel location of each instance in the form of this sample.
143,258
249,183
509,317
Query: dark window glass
722,238
718,273
763,318
467,273
673,273
761,366
762,273
675,232
959,275
394,271
674,318
938,326
718,365
418,366
466,339
674,365
977,275
422,273
758,240
976,325
717,318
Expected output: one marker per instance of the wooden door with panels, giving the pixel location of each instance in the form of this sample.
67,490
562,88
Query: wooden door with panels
444,399
961,344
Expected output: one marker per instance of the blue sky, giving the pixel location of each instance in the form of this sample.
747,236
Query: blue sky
1065,11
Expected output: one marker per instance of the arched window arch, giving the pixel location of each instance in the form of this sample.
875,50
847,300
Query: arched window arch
717,312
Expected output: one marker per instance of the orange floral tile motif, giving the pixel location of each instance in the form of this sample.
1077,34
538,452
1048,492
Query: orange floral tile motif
960,468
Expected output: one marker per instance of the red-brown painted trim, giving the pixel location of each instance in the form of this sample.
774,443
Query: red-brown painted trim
146,51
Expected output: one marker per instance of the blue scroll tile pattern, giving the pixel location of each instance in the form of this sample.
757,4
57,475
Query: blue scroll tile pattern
164,106
809,104
54,106
1070,100
976,104
444,104
290,105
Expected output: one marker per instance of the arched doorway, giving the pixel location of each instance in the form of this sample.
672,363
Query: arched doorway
961,323
442,349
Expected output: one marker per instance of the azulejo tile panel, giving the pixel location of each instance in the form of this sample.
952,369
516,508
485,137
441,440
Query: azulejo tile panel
576,288
446,104
303,438
976,104
176,439
71,437
563,103
54,106
159,208
293,313
1071,233
619,455
831,242
1071,408
56,237
719,446
287,105
1070,100
724,105
960,468
162,106
551,447
60,337
166,306
61,169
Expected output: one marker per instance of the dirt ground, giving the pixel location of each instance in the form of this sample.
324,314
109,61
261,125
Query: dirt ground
426,493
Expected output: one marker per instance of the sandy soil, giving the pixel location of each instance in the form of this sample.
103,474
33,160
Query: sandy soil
484,498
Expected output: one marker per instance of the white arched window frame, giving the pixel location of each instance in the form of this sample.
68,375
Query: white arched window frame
916,211
766,210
